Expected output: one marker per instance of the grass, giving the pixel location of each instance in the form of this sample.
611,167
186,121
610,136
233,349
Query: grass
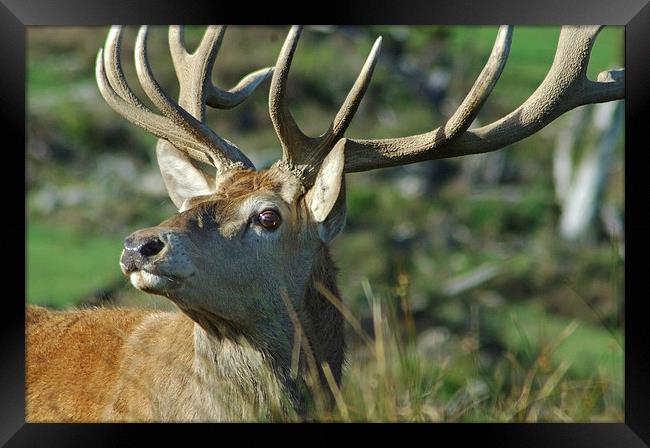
393,378
591,348
64,266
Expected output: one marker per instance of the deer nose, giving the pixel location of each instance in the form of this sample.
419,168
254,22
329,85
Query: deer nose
138,248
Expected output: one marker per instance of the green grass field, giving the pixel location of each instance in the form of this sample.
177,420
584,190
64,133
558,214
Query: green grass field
64,267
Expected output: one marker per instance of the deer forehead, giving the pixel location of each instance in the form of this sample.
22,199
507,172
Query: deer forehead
245,189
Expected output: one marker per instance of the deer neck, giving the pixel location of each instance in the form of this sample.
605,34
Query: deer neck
256,366
322,322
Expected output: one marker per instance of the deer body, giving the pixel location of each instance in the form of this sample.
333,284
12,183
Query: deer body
160,367
246,257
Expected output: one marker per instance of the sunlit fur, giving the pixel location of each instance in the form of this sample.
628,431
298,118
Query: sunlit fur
227,355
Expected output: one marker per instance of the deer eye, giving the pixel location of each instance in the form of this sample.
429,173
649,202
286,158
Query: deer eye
269,219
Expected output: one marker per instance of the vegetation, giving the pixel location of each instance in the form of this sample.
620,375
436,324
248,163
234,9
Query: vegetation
464,303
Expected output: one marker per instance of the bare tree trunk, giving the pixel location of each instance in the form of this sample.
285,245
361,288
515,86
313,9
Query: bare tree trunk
563,156
579,189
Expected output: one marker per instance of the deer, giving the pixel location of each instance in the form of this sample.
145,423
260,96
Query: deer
246,258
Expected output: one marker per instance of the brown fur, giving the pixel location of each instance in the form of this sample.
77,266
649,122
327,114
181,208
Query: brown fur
72,358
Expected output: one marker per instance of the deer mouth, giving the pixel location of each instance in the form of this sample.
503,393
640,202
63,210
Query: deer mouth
155,282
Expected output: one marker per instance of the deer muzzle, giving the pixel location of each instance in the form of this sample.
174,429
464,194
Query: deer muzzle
139,248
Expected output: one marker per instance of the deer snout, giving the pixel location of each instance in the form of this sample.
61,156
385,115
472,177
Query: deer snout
139,247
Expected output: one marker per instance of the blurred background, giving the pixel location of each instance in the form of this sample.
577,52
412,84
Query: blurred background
482,288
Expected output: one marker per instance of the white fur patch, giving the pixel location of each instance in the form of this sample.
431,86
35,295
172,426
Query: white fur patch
322,196
182,179
147,280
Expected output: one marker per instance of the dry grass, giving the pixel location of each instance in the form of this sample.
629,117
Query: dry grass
392,378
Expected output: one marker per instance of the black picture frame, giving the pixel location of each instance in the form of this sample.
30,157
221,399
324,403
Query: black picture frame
16,15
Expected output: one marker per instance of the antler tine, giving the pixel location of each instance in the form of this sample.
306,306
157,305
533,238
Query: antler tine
220,149
565,87
300,153
285,126
227,99
480,91
185,130
121,98
198,91
353,100
176,40
114,66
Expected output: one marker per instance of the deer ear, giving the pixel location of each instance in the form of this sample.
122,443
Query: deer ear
183,179
326,199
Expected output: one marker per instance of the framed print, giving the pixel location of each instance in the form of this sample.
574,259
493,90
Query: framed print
421,221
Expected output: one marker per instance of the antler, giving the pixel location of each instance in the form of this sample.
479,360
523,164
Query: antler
302,154
565,87
183,123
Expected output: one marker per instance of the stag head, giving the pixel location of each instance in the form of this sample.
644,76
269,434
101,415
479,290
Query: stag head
242,240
